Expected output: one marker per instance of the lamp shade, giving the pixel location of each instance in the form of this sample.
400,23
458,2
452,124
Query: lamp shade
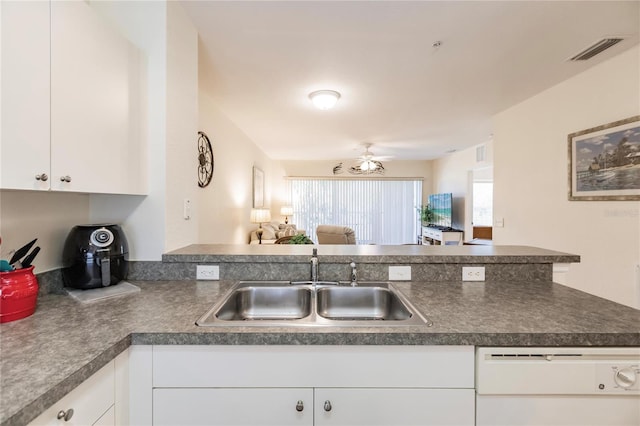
260,215
286,211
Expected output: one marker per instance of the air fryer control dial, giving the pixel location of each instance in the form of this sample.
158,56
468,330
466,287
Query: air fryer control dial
101,237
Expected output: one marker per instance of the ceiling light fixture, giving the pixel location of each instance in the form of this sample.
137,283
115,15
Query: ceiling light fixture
324,99
368,164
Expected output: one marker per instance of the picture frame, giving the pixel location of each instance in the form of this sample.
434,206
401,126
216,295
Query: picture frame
258,187
604,162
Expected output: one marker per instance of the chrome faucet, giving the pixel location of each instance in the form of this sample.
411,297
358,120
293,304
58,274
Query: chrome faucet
354,273
314,266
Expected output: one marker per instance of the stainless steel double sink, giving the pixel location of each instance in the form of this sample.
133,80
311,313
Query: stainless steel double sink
271,303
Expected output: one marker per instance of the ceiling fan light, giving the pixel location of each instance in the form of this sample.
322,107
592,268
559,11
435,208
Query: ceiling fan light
368,165
324,99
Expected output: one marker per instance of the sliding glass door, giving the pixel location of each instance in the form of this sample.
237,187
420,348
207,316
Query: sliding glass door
380,211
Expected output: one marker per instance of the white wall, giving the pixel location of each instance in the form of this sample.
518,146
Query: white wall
143,218
43,215
182,128
530,179
454,174
225,205
154,224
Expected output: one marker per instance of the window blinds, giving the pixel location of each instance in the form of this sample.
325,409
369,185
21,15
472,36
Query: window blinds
380,211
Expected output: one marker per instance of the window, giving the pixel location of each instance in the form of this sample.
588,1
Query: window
380,211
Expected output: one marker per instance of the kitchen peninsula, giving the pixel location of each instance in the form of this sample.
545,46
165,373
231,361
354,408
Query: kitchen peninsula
47,355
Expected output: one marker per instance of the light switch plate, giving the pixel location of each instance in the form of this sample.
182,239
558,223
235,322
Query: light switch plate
399,273
207,272
473,273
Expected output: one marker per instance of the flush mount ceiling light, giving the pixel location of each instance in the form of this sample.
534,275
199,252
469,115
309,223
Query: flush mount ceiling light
324,99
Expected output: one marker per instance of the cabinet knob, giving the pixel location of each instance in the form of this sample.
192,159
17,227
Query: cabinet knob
65,178
327,405
66,415
300,406
43,177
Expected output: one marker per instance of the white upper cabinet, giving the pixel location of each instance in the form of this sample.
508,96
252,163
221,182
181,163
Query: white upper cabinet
95,103
82,81
24,138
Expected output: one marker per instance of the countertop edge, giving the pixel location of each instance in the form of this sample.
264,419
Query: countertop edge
58,391
41,403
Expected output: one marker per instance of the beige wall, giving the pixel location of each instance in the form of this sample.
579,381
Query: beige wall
225,205
530,179
454,173
394,168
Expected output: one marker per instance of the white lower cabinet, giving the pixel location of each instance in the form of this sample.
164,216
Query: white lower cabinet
231,407
284,407
108,418
86,404
312,385
394,407
94,401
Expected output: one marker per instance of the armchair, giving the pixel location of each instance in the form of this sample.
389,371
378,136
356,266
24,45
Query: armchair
335,234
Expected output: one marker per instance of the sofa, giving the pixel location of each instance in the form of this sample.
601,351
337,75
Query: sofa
274,230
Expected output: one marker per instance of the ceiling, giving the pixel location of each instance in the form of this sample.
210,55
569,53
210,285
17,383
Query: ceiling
409,99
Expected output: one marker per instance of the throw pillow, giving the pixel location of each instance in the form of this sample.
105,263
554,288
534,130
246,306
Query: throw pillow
268,233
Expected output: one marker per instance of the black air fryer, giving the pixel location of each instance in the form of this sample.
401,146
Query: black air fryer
95,256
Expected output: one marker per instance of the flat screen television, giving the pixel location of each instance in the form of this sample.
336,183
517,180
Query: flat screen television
441,205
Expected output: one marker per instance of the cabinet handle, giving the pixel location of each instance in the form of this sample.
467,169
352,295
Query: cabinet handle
327,405
43,177
300,406
66,415
65,178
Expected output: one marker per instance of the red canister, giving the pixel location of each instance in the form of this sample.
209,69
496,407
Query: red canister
18,294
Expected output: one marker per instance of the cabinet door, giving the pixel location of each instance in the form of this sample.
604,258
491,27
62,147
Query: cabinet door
229,407
89,401
108,418
95,104
24,133
394,407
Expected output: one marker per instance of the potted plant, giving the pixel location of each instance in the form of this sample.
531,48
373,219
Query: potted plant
426,214
300,239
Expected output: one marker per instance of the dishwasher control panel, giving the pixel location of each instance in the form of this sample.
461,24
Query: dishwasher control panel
617,378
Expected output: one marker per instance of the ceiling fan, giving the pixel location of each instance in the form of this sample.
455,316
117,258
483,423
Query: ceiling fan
367,163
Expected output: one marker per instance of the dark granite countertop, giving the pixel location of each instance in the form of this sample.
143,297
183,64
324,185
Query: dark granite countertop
48,354
411,253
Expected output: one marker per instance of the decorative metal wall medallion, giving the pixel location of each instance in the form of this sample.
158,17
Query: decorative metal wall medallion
205,160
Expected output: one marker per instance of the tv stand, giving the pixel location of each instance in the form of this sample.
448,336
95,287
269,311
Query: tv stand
432,235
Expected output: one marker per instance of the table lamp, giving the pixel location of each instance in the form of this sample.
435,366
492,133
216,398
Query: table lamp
286,211
258,216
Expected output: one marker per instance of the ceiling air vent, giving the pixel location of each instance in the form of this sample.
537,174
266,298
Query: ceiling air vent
597,47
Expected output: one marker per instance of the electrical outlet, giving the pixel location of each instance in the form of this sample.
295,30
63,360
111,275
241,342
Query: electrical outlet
400,273
208,272
473,273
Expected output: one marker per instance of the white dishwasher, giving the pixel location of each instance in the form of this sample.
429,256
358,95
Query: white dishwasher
558,386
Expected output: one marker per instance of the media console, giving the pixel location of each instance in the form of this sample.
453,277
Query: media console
437,236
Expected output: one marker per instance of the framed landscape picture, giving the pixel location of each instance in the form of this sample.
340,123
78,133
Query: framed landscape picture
604,162
258,188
